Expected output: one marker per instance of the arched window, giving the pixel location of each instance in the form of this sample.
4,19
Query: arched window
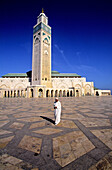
36,40
47,93
71,93
64,95
40,93
5,95
51,93
45,40
56,93
32,93
60,93
67,93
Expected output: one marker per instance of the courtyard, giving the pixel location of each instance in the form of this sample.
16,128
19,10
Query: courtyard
30,140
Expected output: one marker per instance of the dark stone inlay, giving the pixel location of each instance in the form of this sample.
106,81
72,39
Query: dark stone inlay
96,142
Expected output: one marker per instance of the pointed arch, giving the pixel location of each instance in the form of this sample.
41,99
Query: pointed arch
78,90
62,85
60,93
19,86
87,90
46,40
4,86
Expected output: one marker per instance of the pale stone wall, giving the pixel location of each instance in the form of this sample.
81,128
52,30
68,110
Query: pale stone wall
102,92
66,83
1,94
80,85
61,87
14,87
14,83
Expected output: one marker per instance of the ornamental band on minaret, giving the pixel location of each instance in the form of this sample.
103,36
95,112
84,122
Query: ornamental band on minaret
41,59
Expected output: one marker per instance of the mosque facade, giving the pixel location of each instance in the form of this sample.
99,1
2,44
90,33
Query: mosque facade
41,81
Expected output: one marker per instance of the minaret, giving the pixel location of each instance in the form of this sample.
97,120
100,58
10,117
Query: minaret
41,59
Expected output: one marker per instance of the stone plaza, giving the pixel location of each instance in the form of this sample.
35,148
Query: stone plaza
30,140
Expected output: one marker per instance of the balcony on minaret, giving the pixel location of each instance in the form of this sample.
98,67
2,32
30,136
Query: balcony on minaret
42,18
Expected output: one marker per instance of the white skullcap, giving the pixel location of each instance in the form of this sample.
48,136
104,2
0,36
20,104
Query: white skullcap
56,98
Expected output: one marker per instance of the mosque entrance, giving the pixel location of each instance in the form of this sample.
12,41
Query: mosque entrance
67,93
5,95
40,93
47,93
87,90
8,94
87,94
14,93
60,93
97,94
31,92
64,95
71,93
18,94
56,93
11,93
51,93
77,93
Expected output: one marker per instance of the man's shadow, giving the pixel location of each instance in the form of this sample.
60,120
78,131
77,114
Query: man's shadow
48,119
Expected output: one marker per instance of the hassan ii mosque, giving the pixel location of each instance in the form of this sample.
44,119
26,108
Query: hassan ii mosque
41,81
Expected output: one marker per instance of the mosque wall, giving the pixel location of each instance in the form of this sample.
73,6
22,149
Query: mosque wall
80,86
66,83
14,83
61,87
102,92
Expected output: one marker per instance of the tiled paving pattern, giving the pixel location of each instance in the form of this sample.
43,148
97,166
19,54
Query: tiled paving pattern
30,140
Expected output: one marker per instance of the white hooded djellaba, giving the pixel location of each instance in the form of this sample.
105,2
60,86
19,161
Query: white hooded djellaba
57,111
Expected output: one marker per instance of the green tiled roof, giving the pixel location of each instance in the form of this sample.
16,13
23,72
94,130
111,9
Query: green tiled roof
57,74
96,88
15,75
53,74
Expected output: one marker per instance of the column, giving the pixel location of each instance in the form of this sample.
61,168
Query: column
49,93
75,92
10,93
28,92
35,92
7,94
44,92
25,93
57,93
53,93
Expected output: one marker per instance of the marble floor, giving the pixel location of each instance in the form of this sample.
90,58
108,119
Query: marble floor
81,141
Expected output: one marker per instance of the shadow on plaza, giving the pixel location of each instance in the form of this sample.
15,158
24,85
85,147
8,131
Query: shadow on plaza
48,119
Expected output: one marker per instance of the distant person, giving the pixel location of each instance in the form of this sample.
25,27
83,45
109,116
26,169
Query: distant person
57,111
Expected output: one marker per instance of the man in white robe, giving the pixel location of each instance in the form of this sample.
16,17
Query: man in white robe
57,111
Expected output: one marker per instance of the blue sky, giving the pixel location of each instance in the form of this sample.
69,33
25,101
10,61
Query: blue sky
81,37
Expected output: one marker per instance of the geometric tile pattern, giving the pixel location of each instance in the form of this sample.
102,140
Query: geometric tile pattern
48,131
2,132
104,163
67,124
17,125
5,141
31,144
30,140
105,135
36,125
67,148
2,123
